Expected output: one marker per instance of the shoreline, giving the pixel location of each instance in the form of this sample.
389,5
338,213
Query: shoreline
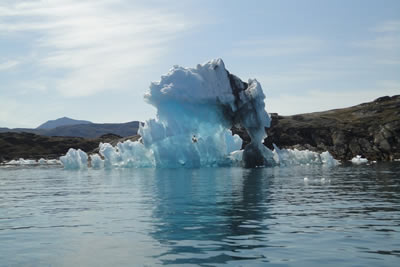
371,130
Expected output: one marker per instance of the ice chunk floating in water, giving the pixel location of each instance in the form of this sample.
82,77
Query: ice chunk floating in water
196,108
74,159
359,160
32,162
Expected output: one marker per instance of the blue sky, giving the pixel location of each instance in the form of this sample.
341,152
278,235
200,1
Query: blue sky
94,60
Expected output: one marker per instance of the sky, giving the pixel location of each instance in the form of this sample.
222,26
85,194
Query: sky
94,60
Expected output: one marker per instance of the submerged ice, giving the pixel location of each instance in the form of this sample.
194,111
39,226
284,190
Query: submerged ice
196,108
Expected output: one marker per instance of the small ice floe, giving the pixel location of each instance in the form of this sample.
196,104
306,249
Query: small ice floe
53,162
397,160
22,161
359,160
32,162
305,179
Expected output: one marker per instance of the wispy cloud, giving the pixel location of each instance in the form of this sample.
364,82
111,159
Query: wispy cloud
277,46
387,37
9,111
319,100
9,64
323,71
293,79
384,43
388,61
387,26
94,45
389,85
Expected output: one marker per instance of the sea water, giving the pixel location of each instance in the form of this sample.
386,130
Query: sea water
291,216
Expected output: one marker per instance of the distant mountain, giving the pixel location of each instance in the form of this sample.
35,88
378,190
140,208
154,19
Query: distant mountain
64,121
93,130
88,130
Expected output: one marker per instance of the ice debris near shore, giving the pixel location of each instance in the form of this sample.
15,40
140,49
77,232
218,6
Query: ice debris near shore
196,108
359,160
32,162
288,157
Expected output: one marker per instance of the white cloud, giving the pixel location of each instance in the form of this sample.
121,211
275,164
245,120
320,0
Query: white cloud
9,112
96,45
384,46
317,100
323,72
389,85
387,37
384,43
387,26
388,61
292,78
277,47
10,64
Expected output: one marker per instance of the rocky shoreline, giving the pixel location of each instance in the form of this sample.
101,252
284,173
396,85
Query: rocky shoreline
32,146
370,129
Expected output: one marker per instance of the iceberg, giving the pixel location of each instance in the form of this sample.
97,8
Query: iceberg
196,108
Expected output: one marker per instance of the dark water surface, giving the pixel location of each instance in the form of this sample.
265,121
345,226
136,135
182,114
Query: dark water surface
342,216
